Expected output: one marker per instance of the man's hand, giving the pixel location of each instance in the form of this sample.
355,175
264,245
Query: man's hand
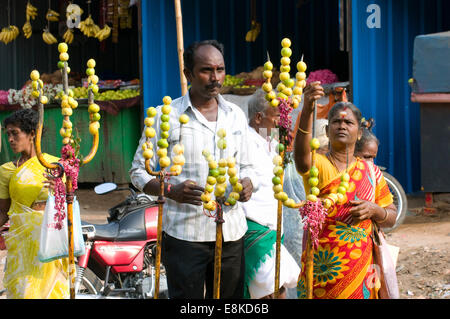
247,189
187,192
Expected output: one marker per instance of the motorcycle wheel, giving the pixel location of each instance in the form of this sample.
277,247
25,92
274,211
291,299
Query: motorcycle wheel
90,284
400,200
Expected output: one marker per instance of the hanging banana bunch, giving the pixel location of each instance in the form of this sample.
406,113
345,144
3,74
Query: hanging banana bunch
31,11
9,34
88,27
254,32
48,37
68,36
255,28
103,33
27,29
52,16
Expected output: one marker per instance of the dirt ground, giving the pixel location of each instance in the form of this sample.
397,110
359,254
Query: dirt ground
423,266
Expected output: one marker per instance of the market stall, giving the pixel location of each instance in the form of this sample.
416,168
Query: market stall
105,30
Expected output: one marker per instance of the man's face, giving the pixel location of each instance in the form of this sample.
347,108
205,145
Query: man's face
268,119
209,72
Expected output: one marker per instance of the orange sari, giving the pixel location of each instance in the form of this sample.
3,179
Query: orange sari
343,260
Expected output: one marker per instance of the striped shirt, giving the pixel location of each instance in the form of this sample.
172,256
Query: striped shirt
185,221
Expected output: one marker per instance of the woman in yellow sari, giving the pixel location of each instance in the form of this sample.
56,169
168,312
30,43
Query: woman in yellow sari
343,261
23,195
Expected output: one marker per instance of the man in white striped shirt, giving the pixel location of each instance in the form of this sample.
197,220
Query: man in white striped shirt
189,235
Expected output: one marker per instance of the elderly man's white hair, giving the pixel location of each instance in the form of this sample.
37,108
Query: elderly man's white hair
257,103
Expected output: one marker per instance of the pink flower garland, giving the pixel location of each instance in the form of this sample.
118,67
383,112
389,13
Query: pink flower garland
324,76
285,122
71,166
313,214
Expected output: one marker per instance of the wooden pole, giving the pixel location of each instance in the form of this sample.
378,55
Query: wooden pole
309,247
69,201
180,45
159,233
218,250
278,240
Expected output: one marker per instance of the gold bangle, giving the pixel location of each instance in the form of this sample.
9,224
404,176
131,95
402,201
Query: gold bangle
385,217
303,131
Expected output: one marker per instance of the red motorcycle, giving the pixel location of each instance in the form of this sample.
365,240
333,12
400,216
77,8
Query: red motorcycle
120,256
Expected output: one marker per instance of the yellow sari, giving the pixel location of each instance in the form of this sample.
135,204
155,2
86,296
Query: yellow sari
25,276
343,261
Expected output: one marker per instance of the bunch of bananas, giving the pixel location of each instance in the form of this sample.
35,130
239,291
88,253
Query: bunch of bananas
48,37
88,27
68,36
103,33
254,32
52,15
9,33
31,11
27,29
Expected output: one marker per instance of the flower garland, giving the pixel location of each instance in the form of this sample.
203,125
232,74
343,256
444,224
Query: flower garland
25,98
71,166
313,215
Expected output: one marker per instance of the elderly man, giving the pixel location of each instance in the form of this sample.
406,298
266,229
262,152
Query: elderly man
188,242
261,209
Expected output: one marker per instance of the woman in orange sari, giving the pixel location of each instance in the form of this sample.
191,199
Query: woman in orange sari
343,260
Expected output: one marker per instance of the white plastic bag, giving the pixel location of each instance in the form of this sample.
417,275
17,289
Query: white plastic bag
54,242
388,265
292,221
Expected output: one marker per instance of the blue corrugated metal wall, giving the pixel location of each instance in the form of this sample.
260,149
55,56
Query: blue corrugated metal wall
382,64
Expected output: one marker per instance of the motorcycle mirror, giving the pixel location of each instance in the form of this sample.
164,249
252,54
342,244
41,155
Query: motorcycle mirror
105,188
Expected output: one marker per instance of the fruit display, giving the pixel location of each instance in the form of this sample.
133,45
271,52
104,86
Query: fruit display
231,80
217,176
109,95
178,159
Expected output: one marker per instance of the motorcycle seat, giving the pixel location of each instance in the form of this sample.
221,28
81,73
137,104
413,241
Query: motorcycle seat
107,232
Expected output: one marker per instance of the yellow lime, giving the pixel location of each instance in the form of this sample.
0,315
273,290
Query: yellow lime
64,56
167,100
62,47
93,108
162,152
166,109
176,169
148,154
151,111
91,63
164,161
285,43
34,75
184,119
301,66
150,132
